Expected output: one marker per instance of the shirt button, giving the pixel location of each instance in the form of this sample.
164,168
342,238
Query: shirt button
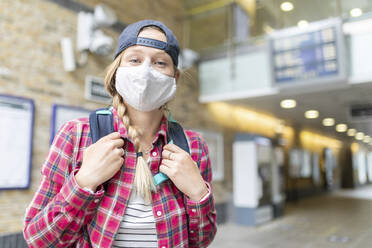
192,231
163,247
158,213
96,200
193,210
154,154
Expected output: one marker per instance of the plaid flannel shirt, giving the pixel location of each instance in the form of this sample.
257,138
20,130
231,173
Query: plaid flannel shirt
62,214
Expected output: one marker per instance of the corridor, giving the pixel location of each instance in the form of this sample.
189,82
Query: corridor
340,219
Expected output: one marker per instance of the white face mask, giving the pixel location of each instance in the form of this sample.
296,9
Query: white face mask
143,87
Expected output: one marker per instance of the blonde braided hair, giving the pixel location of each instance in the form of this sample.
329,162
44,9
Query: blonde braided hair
143,180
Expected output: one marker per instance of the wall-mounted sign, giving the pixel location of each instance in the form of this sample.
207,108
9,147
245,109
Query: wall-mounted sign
95,90
16,132
214,142
62,114
304,56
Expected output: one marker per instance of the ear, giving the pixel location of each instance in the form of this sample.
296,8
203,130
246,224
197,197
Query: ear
177,75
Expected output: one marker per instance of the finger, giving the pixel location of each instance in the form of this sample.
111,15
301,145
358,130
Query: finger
166,170
173,148
111,136
117,143
118,162
119,151
168,163
166,154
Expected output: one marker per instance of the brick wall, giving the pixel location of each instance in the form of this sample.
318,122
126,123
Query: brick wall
30,33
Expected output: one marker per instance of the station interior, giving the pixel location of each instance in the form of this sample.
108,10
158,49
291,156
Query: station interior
281,92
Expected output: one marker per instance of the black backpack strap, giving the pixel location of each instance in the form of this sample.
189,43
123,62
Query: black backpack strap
177,137
175,133
101,123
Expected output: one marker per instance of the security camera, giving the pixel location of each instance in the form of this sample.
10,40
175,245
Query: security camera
187,58
104,16
85,29
101,44
89,36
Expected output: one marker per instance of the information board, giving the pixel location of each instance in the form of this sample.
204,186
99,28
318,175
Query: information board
215,145
314,54
16,132
64,113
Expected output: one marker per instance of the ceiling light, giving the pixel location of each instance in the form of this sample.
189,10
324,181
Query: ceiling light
356,12
288,103
341,128
328,122
366,139
351,132
286,6
359,135
303,24
311,114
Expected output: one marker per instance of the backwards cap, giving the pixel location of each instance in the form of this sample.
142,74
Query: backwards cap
129,37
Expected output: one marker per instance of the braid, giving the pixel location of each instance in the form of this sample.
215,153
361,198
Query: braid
143,180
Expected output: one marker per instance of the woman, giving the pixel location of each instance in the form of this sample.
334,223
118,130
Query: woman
71,208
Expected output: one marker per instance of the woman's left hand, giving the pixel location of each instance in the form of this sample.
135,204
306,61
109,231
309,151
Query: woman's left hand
183,171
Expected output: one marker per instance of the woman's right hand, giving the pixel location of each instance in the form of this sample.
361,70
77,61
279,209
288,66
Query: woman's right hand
101,161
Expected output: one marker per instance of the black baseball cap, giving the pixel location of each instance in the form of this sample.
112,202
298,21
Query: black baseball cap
129,37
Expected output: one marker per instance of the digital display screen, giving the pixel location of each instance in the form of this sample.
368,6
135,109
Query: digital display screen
305,55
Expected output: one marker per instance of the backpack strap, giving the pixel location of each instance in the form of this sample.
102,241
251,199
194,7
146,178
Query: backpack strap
175,136
101,123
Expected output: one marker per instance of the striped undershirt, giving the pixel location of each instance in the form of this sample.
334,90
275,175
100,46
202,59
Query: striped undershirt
137,228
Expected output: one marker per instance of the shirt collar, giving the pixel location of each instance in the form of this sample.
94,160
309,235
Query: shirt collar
119,126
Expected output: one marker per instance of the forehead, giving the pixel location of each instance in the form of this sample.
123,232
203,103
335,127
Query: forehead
152,33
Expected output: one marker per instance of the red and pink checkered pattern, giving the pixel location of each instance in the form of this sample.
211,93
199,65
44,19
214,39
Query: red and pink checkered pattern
62,214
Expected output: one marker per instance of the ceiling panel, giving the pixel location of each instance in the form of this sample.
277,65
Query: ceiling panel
333,103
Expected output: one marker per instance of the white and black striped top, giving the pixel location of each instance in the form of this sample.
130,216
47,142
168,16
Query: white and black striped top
137,228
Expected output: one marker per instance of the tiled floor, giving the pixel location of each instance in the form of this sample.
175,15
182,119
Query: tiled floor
342,219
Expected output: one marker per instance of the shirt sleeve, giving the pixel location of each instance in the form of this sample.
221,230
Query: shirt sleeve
202,214
60,207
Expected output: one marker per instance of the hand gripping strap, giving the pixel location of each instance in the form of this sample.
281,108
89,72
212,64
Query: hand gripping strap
176,136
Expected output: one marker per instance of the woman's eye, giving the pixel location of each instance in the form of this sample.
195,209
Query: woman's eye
161,63
134,60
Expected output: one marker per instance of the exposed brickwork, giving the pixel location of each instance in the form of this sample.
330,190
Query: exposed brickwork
30,33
